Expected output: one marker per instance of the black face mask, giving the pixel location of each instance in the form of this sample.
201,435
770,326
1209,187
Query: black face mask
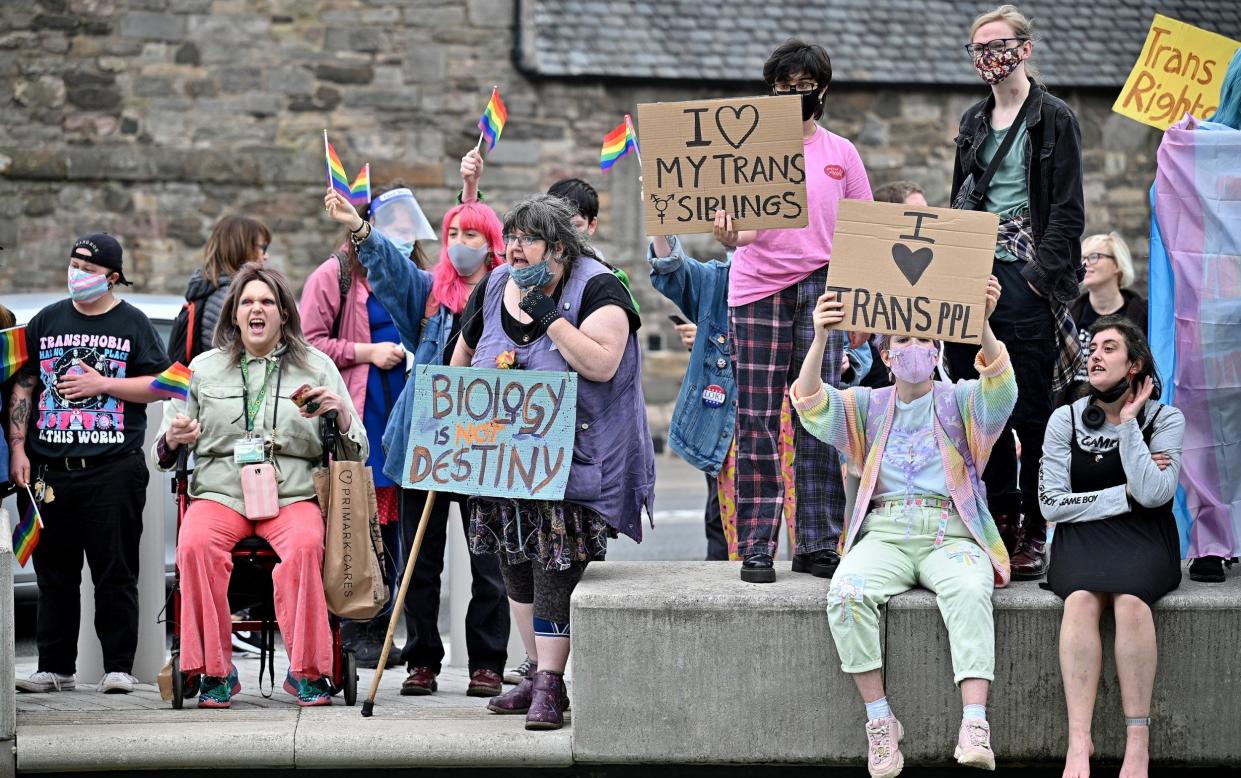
1093,417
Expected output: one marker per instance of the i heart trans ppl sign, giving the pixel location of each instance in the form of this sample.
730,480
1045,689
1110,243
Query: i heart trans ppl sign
911,270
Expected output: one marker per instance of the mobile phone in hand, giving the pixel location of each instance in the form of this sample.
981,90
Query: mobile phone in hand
677,320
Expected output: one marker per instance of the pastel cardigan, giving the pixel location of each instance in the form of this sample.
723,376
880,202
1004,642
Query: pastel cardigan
839,418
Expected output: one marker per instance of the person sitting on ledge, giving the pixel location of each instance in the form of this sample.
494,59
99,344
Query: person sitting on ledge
1110,466
920,517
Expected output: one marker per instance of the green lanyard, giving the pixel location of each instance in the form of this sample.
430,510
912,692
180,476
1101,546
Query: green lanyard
252,409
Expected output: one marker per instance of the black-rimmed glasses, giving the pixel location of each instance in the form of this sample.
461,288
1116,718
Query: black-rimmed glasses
1094,256
789,89
997,46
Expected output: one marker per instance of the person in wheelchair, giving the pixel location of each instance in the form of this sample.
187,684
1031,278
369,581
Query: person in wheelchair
252,420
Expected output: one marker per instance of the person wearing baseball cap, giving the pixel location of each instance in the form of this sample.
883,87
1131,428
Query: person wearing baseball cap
76,431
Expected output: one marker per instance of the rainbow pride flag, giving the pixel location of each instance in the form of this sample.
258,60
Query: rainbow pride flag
360,189
617,143
336,177
494,117
13,352
173,383
26,533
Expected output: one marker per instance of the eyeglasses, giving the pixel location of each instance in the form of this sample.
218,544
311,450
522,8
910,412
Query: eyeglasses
800,88
526,241
1095,256
997,46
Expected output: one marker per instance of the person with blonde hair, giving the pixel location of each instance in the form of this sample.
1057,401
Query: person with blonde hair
1109,271
1018,155
235,240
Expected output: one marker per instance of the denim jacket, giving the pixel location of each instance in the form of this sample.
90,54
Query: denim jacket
701,434
1054,187
403,288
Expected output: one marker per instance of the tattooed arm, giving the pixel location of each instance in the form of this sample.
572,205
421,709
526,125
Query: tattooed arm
19,422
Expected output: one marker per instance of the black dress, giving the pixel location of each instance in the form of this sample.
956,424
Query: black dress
1135,553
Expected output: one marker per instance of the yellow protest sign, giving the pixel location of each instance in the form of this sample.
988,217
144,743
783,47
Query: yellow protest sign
1180,70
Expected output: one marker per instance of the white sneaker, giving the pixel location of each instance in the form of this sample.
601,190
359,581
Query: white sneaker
44,681
117,683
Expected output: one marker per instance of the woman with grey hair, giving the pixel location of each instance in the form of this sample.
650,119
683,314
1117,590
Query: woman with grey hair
554,306
1109,273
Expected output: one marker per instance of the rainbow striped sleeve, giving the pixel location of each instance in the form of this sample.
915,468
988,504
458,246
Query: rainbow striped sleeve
13,352
494,116
173,383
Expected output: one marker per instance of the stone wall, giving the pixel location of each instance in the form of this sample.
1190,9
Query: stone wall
151,119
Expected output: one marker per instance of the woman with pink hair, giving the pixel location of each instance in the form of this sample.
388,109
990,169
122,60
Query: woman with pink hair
425,307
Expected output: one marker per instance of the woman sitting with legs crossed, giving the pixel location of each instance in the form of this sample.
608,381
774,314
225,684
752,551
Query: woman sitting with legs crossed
920,518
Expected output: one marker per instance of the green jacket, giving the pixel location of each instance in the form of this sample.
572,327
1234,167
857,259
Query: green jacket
215,399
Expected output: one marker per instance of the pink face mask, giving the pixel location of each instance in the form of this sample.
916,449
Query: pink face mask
913,363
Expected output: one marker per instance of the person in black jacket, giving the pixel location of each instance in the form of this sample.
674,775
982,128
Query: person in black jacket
234,241
1037,192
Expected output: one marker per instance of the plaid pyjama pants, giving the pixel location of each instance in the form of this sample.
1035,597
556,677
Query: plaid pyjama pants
771,337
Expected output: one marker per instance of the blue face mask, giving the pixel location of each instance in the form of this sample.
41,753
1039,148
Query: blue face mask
532,276
405,247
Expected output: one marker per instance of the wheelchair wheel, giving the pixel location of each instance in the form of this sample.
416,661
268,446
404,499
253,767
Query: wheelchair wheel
349,677
178,683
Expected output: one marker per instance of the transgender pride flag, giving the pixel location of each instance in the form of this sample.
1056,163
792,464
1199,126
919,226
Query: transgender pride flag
1195,323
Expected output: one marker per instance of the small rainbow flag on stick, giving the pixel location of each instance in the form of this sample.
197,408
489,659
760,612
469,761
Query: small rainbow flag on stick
173,383
26,533
336,177
360,189
13,352
492,122
617,144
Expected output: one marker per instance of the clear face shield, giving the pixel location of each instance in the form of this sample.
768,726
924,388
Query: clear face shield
397,215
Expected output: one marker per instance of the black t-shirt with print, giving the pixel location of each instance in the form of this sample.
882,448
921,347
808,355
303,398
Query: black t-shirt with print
602,290
121,343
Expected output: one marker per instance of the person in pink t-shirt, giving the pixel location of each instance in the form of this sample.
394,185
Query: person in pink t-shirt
777,275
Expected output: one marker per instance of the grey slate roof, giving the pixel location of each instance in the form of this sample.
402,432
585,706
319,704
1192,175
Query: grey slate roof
1089,43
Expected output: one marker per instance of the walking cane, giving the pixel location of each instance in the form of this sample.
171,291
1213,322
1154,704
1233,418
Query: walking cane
368,707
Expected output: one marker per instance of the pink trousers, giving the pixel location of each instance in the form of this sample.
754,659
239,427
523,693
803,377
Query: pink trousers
208,533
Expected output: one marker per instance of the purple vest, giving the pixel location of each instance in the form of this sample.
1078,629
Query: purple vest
611,416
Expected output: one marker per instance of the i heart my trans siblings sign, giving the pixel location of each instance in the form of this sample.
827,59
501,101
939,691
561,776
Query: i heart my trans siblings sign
909,270
744,155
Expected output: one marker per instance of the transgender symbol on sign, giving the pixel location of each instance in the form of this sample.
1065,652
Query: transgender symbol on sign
661,205
913,263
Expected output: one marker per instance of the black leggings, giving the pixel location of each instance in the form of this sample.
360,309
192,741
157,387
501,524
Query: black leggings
549,591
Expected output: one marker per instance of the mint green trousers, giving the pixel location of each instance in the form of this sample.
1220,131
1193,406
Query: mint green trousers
897,551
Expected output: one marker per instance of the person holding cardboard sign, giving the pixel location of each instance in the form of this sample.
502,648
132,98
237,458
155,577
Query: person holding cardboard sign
920,518
554,307
776,277
1019,156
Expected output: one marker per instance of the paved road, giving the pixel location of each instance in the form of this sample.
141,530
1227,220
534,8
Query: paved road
680,496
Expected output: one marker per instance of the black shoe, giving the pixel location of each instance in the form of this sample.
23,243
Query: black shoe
1207,569
825,563
758,569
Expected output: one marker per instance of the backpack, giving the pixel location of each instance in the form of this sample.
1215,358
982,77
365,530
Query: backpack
185,341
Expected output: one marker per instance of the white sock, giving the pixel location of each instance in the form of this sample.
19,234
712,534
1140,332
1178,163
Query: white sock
974,712
879,709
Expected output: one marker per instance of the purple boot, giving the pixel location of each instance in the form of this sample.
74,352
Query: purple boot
548,702
515,700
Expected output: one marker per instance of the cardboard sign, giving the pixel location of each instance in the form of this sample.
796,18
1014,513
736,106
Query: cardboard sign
498,433
745,156
1180,70
908,270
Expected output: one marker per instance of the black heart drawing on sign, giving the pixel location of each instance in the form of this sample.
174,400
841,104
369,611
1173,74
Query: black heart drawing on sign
736,121
912,263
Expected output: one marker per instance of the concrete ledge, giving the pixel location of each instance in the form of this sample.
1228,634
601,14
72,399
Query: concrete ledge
683,663
156,740
450,737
